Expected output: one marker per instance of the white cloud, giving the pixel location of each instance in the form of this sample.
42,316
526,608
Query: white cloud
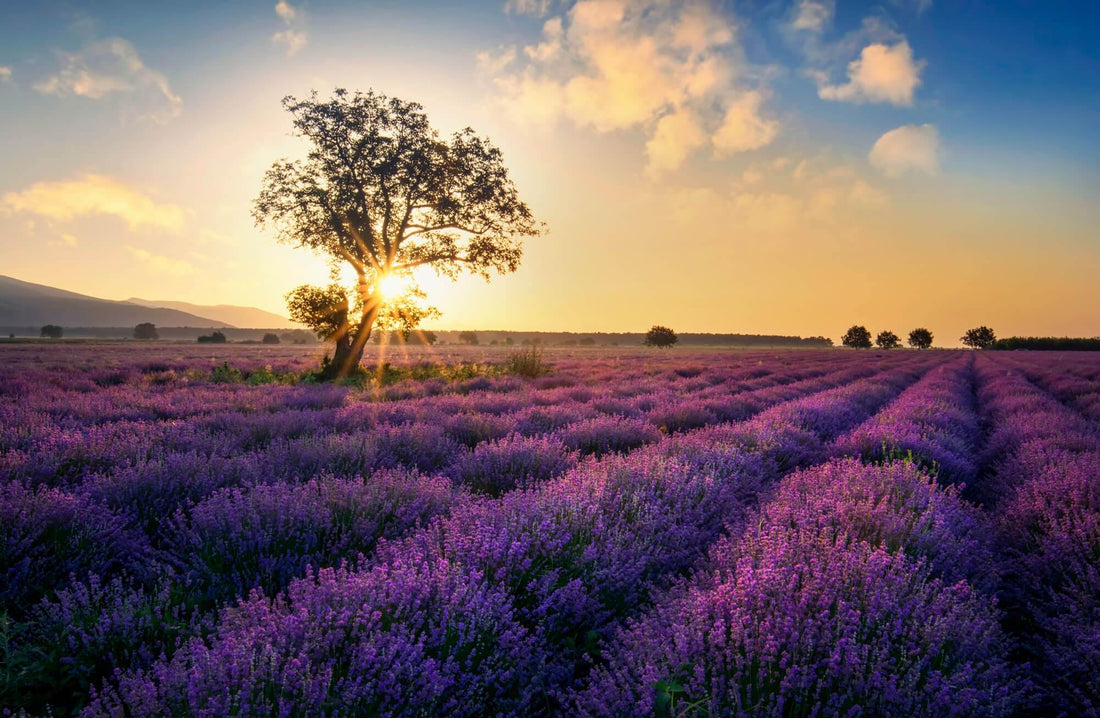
813,15
112,66
910,148
743,128
5,74
160,264
653,65
538,8
676,136
294,37
91,195
882,73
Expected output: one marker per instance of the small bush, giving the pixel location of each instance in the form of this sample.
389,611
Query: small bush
527,362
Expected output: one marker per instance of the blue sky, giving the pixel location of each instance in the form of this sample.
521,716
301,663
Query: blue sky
789,150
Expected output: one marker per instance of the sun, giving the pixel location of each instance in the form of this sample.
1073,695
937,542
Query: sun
393,286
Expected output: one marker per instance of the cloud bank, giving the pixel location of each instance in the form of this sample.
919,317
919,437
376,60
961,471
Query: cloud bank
670,68
95,195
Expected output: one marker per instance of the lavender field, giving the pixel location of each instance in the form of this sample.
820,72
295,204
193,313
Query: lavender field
196,531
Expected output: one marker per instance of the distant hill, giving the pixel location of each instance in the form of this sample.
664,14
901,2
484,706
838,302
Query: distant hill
27,304
249,317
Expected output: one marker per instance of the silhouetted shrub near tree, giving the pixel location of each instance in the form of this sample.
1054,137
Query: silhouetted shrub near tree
920,338
270,338
218,338
469,338
146,330
52,331
857,337
887,340
979,338
1058,344
659,336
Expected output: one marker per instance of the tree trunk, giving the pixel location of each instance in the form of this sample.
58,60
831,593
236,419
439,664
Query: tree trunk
350,346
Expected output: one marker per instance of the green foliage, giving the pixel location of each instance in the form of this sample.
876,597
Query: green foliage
51,331
322,309
215,338
226,374
527,362
146,331
659,336
887,340
857,337
1062,344
920,338
979,338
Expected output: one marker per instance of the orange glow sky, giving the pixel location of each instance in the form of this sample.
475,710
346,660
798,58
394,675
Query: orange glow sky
793,170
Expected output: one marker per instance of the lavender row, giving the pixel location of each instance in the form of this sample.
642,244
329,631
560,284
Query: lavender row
846,595
935,423
1047,479
498,606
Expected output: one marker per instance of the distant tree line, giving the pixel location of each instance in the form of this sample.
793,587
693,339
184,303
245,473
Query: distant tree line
51,331
1062,344
858,337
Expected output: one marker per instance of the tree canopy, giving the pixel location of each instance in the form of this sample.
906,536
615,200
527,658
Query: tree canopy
380,192
887,340
979,338
857,337
659,336
920,338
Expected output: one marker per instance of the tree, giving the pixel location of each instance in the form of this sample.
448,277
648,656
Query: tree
659,336
857,337
887,340
382,194
145,330
979,338
52,331
920,338
213,338
270,338
468,338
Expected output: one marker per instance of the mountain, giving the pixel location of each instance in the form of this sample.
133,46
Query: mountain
250,317
24,304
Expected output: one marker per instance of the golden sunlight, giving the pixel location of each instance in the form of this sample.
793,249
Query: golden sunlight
393,286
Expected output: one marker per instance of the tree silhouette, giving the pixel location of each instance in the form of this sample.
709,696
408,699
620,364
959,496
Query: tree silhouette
887,340
146,330
920,338
979,338
52,331
659,336
857,337
382,194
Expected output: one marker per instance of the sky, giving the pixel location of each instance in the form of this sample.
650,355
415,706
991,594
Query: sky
778,166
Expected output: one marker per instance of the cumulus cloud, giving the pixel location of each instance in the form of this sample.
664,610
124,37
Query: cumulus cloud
294,37
160,264
813,15
676,136
111,66
671,68
94,195
743,127
5,74
910,148
882,73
